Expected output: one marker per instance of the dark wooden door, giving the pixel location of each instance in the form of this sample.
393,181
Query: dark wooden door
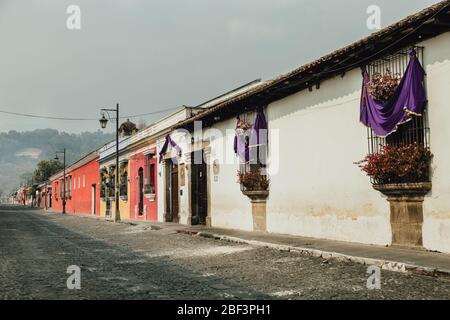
174,193
141,190
199,193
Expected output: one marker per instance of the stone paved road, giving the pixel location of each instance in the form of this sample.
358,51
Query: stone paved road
123,261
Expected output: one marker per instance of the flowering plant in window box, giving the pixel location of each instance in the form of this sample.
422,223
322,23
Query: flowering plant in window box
398,164
253,181
242,127
382,86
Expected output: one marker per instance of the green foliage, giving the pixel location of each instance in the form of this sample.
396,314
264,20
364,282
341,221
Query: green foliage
45,169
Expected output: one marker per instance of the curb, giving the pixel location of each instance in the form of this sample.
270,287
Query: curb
388,265
329,255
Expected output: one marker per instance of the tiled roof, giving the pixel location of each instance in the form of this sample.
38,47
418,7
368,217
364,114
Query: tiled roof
400,33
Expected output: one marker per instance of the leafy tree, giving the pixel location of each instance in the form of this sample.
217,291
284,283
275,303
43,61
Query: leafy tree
45,169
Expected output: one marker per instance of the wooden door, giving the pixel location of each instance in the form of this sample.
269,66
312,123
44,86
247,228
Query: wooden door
141,190
174,193
93,199
199,188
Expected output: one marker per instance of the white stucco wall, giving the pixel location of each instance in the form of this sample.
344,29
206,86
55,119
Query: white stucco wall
318,190
229,207
436,227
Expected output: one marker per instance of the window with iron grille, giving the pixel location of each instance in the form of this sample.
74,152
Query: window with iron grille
254,170
123,183
149,174
414,131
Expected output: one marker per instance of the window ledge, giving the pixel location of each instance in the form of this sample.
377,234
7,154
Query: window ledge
150,196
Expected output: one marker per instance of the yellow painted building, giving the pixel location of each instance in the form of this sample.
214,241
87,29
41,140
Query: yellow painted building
124,204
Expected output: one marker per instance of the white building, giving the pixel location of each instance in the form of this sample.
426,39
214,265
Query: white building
315,138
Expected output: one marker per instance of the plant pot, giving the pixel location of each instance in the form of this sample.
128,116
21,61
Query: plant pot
410,190
258,199
256,194
406,211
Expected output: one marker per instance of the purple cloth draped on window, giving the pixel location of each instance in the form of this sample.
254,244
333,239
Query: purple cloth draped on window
259,131
166,145
408,99
241,146
258,137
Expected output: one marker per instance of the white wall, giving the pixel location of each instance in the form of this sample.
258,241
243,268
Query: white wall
436,227
318,190
229,207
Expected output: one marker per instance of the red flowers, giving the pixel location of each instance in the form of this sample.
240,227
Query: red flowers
402,164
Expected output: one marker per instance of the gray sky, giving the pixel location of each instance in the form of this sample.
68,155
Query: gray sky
152,55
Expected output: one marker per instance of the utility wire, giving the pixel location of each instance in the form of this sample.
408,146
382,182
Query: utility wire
385,48
161,111
80,119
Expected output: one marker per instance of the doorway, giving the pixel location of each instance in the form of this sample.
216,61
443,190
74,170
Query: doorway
93,199
199,188
141,191
172,190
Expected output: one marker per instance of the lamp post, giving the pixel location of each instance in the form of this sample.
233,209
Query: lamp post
103,121
64,177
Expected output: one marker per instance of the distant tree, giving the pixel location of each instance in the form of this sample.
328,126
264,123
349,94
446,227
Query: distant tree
45,169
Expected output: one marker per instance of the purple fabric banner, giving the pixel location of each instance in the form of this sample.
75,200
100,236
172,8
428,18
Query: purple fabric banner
259,131
408,99
241,146
166,145
258,136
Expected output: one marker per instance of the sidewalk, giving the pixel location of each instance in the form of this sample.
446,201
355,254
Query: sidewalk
388,258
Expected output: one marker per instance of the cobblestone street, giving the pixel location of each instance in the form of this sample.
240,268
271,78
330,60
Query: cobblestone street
124,261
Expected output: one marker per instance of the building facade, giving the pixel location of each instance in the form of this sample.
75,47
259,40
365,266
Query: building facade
82,188
314,140
138,170
283,156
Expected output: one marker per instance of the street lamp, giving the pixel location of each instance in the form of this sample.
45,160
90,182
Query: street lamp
103,121
64,177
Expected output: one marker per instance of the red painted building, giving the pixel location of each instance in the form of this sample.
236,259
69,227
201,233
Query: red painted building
82,187
143,186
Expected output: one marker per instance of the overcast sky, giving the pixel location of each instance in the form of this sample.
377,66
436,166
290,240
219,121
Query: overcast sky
151,55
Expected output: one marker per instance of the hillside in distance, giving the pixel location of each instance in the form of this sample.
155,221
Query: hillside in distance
21,151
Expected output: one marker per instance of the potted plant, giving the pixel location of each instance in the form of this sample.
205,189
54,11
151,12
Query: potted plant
402,173
398,164
254,184
381,87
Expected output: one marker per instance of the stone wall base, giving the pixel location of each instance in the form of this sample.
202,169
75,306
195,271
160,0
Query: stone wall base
259,215
258,199
406,222
406,206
